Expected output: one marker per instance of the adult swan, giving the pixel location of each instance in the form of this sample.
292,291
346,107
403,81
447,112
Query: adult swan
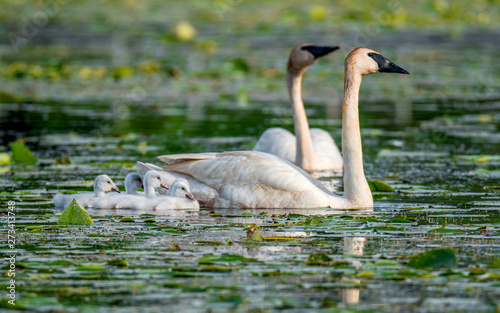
251,179
312,149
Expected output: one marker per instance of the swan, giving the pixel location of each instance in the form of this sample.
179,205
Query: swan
253,179
205,195
180,198
102,184
133,181
152,180
313,149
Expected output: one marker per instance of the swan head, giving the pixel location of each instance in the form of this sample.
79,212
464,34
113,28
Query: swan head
366,61
154,179
180,189
133,181
307,54
104,183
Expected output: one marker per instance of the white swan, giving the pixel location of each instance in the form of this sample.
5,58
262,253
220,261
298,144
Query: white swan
152,180
102,184
180,198
311,149
133,181
251,179
205,195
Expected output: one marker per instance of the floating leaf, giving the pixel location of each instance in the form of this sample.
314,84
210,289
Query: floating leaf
253,233
5,158
378,185
118,262
74,214
127,220
21,154
439,258
90,268
185,31
318,259
494,264
62,160
226,258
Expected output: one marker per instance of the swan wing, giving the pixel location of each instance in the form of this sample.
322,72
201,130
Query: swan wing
252,179
205,194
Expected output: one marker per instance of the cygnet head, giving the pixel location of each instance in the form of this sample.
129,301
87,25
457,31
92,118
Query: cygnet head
307,54
153,179
180,189
366,61
103,183
133,181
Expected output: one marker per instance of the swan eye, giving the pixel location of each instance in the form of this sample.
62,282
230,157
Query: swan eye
371,54
183,188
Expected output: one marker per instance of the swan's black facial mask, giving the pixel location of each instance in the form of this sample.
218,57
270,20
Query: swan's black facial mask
386,66
318,51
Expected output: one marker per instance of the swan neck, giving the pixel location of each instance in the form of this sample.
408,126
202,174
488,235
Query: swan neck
150,192
305,156
356,188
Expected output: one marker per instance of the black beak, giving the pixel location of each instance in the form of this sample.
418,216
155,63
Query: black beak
386,66
319,51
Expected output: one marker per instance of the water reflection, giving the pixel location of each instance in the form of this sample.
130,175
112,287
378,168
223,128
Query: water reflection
355,246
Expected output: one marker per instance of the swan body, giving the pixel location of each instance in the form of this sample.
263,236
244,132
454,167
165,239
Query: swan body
102,184
313,149
152,180
252,179
201,191
180,198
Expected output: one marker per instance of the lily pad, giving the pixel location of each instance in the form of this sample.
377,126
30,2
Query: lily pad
225,258
378,185
494,264
21,154
439,258
75,214
4,158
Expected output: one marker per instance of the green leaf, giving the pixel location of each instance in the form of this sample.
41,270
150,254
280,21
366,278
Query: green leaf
494,264
226,258
318,259
439,258
118,262
21,154
378,185
62,160
253,233
4,158
74,214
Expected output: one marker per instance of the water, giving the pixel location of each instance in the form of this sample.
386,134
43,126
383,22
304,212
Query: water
433,136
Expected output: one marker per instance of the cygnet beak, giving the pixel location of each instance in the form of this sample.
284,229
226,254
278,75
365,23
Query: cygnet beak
115,189
190,196
163,185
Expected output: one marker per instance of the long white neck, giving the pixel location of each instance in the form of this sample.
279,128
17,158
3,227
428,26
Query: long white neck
305,157
98,192
149,191
356,188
